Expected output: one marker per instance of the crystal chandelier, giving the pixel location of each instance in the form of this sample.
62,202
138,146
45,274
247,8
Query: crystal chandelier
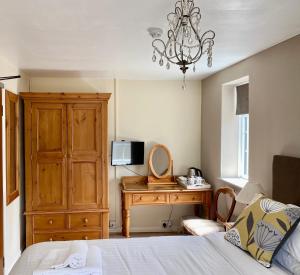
185,45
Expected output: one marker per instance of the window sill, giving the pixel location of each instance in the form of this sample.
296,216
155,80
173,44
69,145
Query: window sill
235,182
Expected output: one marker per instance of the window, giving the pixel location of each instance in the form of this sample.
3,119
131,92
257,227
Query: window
243,160
235,132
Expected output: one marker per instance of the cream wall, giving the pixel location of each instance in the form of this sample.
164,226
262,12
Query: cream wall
12,212
150,111
274,110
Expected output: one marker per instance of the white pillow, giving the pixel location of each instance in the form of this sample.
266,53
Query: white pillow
289,254
288,261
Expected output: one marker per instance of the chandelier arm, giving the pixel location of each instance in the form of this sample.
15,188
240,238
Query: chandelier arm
208,38
170,32
174,14
192,5
196,11
199,51
156,48
198,58
163,52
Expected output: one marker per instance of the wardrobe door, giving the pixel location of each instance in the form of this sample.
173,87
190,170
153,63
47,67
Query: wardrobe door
49,152
84,152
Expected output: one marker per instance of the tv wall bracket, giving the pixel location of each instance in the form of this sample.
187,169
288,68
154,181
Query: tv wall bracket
9,77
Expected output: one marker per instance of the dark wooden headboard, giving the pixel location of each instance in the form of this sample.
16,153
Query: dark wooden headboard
286,179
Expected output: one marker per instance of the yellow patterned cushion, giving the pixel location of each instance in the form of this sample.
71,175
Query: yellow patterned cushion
263,227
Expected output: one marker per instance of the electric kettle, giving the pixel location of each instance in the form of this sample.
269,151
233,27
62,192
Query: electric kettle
194,172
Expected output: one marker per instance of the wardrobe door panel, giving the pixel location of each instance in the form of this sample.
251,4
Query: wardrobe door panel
49,135
49,185
49,151
84,151
85,184
84,124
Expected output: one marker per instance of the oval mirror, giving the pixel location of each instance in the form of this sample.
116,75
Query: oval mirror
160,161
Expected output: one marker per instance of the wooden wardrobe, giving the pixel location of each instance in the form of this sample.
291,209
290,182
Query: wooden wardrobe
66,190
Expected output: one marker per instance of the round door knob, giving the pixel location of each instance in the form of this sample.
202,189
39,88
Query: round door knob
86,237
85,220
50,221
50,239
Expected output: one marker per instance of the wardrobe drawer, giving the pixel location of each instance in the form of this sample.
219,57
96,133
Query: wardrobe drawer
48,237
149,198
85,220
187,197
49,222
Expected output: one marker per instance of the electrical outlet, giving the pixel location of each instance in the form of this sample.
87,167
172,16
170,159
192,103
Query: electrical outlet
112,224
166,223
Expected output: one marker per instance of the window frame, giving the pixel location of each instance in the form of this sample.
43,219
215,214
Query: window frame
243,146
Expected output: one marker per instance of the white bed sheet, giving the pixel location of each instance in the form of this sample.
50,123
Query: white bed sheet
176,255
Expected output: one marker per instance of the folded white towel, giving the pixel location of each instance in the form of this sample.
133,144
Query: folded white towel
76,257
93,264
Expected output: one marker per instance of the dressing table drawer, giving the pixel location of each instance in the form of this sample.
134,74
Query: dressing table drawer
187,197
149,198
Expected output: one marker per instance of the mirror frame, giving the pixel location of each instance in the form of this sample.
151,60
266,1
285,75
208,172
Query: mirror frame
169,170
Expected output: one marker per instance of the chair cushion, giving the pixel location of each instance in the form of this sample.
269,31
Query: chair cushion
200,227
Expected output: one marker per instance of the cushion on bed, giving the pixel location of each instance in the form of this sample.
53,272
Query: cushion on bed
289,254
263,227
200,227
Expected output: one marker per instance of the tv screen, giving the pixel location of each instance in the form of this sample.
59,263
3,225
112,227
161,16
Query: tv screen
127,153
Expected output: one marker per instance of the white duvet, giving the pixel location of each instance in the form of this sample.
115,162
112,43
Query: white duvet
178,255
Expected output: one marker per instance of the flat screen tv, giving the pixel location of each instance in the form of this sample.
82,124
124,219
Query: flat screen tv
127,153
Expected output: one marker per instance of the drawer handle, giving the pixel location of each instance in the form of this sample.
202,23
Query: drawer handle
176,197
50,240
85,220
193,198
140,198
85,237
50,221
156,198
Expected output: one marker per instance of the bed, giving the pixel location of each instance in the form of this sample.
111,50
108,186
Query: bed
174,255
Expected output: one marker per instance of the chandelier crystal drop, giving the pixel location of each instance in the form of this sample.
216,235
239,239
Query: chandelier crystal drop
185,44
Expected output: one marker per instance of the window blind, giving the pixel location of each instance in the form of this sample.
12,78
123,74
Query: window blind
242,99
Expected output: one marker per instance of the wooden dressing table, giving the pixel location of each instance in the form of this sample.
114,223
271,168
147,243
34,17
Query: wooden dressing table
136,191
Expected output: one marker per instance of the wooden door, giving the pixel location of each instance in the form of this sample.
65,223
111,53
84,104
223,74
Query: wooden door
84,152
49,156
1,193
12,146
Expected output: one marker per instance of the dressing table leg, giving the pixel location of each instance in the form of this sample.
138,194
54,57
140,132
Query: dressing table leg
125,215
126,225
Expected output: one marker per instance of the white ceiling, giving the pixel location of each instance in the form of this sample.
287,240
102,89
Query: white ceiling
108,38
